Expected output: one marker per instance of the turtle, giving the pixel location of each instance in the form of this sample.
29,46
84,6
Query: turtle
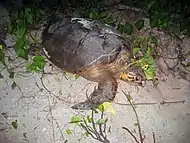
94,51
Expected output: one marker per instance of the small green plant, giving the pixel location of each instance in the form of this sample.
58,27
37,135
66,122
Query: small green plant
37,65
14,124
99,14
143,52
92,126
21,21
147,62
139,24
128,28
125,28
103,16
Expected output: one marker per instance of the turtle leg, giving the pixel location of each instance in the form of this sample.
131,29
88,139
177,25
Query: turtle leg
105,92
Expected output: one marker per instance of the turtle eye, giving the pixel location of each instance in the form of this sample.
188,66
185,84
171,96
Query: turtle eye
137,78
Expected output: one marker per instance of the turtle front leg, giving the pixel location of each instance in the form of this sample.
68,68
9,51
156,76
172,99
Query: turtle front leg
105,92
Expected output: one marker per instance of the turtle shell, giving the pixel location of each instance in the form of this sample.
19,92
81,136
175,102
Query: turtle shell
77,43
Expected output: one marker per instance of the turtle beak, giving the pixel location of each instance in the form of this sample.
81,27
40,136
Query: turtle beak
136,79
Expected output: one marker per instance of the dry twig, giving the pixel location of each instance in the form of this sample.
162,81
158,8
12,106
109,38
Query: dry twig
97,134
141,137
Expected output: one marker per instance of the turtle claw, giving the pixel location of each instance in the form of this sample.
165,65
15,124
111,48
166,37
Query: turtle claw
86,105
104,93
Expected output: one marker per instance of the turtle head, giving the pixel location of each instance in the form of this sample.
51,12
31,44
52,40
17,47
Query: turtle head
134,75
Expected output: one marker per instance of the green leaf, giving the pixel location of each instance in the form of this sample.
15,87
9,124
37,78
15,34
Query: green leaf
139,24
86,134
76,119
100,121
68,131
29,15
91,15
94,15
31,67
20,48
89,119
150,73
20,31
37,65
2,55
39,59
96,111
120,28
159,19
150,60
109,19
107,106
147,54
76,76
103,14
13,85
22,53
14,124
135,50
153,21
126,28
144,67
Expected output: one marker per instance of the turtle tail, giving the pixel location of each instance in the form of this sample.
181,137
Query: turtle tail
105,92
